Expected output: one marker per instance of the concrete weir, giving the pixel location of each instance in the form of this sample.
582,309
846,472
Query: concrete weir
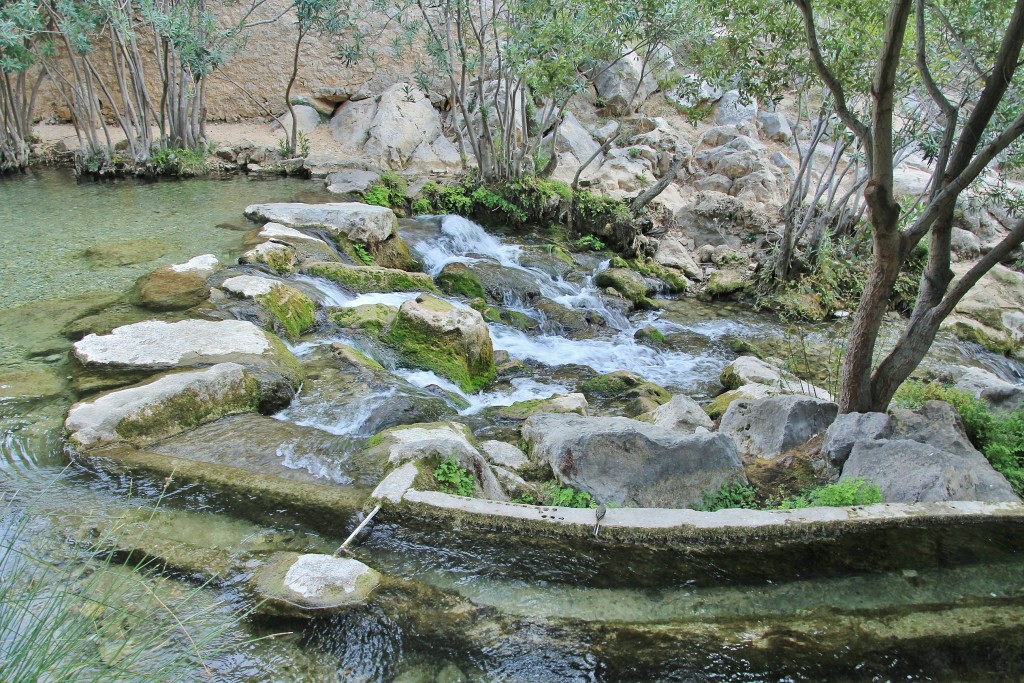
682,528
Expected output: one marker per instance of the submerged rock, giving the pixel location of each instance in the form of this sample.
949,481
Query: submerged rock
309,585
623,461
165,406
110,254
430,333
768,427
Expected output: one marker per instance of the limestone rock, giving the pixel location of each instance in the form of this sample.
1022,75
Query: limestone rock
627,389
504,454
681,414
673,254
965,245
292,312
626,282
365,279
726,282
352,181
774,126
990,313
750,370
437,440
850,429
715,218
616,84
731,111
570,403
177,287
356,222
768,427
305,586
911,472
165,406
307,116
1000,394
618,460
455,343
575,139
150,346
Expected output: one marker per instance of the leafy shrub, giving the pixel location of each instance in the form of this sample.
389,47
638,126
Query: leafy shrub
567,496
422,206
734,495
362,254
389,192
588,242
181,162
853,492
452,478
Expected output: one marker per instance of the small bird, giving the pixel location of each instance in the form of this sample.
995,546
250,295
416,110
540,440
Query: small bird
599,513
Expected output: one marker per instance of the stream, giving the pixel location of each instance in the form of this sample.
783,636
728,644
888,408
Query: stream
888,606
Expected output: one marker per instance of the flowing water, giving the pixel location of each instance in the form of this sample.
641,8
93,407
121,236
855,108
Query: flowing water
891,604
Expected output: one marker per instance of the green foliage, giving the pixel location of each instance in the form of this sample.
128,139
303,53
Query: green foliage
1000,437
491,201
448,198
853,492
362,254
421,206
301,149
731,495
389,192
179,162
588,242
452,478
567,496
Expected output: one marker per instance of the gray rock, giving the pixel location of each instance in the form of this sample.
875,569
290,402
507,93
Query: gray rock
936,423
747,370
616,84
618,460
732,112
177,287
681,414
911,472
504,454
768,427
358,222
674,255
351,181
761,186
966,245
574,138
163,407
1000,394
782,162
715,218
715,182
774,126
311,585
308,118
852,428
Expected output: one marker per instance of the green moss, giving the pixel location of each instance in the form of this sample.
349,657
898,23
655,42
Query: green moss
294,311
720,404
188,410
278,260
394,253
459,279
372,319
725,283
973,333
289,364
367,279
428,348
626,282
650,335
676,283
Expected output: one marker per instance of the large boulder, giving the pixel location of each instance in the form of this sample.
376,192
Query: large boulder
991,312
134,351
623,461
768,427
177,287
850,429
356,222
436,441
306,117
430,333
674,255
289,311
909,471
575,139
163,407
715,218
774,126
751,370
281,248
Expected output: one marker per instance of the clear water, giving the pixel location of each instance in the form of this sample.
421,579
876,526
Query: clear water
942,606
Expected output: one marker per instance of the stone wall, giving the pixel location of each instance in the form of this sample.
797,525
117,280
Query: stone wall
252,83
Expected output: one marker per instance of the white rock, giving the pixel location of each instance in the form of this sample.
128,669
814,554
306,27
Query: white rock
277,231
359,222
504,454
157,344
200,265
732,112
249,286
313,574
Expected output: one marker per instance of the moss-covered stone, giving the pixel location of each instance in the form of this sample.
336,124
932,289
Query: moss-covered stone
573,403
366,279
168,290
458,279
650,335
720,404
626,389
371,319
394,253
726,282
294,311
986,337
453,342
628,283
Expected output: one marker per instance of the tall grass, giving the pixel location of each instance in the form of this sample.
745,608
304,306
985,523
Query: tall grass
88,614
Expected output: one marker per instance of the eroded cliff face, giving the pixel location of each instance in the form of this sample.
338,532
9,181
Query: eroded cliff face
253,81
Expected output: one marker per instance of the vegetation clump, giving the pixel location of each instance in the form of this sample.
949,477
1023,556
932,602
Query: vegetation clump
743,496
294,311
453,478
389,192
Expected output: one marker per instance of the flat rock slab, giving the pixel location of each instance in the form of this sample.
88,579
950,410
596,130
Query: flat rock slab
304,585
359,222
166,406
154,345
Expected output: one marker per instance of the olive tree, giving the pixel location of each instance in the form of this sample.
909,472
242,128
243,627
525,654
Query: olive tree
21,26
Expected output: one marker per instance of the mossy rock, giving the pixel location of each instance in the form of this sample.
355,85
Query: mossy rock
394,253
167,290
573,403
294,585
629,390
650,335
628,283
279,258
294,311
459,279
367,279
430,333
371,319
726,282
988,338
126,253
